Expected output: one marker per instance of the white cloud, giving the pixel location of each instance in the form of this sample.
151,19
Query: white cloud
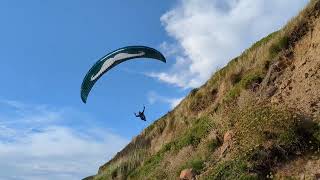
43,148
153,97
208,33
169,49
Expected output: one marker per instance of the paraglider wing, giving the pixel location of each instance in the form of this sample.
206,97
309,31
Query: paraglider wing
113,59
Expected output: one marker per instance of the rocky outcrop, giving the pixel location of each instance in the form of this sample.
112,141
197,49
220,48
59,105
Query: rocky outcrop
187,174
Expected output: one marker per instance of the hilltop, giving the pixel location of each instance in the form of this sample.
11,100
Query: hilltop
256,118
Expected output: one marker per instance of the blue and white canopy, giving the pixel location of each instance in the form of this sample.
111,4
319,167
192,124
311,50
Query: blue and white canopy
113,59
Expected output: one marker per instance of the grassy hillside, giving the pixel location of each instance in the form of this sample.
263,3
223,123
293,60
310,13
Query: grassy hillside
256,118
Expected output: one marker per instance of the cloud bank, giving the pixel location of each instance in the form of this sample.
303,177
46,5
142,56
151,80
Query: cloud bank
35,144
208,33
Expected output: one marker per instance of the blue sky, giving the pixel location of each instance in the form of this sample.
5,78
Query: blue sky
47,47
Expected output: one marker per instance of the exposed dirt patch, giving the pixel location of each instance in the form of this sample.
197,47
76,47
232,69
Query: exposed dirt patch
298,86
303,167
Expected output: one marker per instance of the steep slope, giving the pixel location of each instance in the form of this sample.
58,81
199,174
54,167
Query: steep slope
257,118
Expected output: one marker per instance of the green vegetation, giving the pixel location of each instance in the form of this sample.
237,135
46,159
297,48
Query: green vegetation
148,166
245,82
278,46
212,145
233,93
235,78
196,164
194,91
199,101
236,169
193,135
264,40
255,120
316,134
251,78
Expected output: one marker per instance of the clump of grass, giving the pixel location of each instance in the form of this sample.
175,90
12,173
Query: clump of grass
197,164
101,177
246,82
149,128
191,136
124,167
194,91
254,120
236,169
213,144
157,127
148,166
250,79
278,46
159,174
235,78
266,65
233,93
316,135
89,178
264,40
114,173
199,101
